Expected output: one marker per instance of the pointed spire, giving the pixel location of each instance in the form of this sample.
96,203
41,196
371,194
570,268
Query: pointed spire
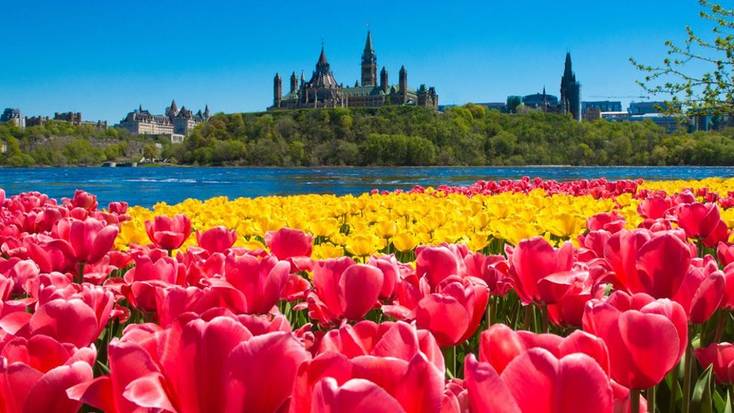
322,57
368,43
206,111
140,108
173,105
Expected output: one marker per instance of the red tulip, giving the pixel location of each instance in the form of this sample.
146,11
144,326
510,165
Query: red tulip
702,290
331,383
606,221
493,269
645,337
539,382
343,290
702,221
725,253
168,233
454,311
89,239
437,263
566,293
197,366
499,345
721,355
534,259
262,281
654,207
217,239
645,262
84,200
392,270
78,318
389,339
289,243
36,372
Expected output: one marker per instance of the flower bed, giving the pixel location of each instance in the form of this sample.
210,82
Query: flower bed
510,296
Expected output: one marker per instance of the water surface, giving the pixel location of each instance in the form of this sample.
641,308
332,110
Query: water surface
146,186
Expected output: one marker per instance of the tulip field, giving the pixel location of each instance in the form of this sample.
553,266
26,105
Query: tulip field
502,296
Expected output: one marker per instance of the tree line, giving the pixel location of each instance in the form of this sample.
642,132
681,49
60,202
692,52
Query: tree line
391,135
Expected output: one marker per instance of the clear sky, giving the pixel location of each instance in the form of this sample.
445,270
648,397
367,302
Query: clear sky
103,58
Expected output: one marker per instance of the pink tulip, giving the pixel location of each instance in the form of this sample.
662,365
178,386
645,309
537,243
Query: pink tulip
654,207
262,281
533,260
438,263
645,262
500,345
721,356
89,239
389,339
704,222
343,289
199,365
702,290
645,337
332,383
168,233
217,239
454,311
35,374
538,382
289,243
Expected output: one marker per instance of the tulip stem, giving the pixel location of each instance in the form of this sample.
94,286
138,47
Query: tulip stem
80,274
687,367
634,401
651,399
489,312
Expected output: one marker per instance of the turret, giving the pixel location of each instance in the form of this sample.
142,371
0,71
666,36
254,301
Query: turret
403,83
277,90
206,112
369,63
384,84
294,83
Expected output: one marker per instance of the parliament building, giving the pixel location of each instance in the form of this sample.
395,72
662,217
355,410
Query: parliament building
323,91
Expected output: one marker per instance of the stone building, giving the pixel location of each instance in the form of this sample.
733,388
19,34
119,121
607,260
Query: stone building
13,116
323,91
176,122
570,91
75,118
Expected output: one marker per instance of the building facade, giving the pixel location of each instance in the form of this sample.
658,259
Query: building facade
13,116
75,118
542,101
175,121
570,91
323,91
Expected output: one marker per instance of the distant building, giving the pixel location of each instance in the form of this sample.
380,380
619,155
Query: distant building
14,117
591,114
36,120
602,106
542,101
75,118
670,123
175,121
570,91
644,108
323,91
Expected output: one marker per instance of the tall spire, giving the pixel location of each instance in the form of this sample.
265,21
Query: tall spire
368,43
568,68
369,63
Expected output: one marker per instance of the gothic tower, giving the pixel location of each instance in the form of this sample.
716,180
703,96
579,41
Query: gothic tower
369,63
294,83
403,84
570,91
384,84
277,90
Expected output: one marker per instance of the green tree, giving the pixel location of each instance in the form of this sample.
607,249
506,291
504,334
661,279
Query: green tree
698,73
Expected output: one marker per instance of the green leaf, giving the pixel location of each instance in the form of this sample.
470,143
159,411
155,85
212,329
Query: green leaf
702,400
727,406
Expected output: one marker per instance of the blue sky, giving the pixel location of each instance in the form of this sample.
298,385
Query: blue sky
103,58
